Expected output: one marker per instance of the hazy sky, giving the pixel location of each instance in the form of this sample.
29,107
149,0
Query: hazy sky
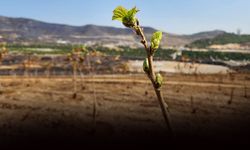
175,16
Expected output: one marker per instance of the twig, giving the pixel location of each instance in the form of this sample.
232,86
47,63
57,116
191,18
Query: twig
128,19
151,76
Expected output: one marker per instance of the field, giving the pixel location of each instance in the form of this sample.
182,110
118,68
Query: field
39,109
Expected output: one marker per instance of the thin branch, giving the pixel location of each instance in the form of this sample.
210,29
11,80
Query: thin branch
151,76
129,20
149,54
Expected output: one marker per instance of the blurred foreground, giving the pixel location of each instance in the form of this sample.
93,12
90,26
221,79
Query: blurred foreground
45,110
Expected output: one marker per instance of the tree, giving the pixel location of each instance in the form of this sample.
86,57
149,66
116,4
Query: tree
76,57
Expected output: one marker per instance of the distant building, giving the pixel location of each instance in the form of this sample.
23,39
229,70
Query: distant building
177,54
62,42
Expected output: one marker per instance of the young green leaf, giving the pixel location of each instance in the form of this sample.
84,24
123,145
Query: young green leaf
158,80
129,20
127,17
146,65
119,13
132,12
155,40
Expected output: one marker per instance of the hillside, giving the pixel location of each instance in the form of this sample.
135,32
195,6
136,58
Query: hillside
227,39
29,31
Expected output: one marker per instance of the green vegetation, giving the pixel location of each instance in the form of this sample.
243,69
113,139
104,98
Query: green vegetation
139,53
195,55
52,46
165,54
40,48
129,53
220,40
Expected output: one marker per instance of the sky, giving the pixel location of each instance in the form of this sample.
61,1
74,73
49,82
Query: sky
174,16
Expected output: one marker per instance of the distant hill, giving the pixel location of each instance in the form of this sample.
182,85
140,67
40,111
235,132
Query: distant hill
29,31
207,35
222,39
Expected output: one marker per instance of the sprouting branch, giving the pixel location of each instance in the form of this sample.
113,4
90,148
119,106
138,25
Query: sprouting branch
127,17
151,73
151,76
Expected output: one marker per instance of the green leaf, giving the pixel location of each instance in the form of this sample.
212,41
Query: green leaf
132,12
119,13
156,40
129,20
126,16
158,80
146,65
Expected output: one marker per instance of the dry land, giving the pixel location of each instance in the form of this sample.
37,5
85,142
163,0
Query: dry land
202,106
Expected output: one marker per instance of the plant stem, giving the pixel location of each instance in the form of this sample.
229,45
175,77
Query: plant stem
151,76
151,68
164,109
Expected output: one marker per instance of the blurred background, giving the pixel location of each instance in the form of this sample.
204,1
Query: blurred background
207,32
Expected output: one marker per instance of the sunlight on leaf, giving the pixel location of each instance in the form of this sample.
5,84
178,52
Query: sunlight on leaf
155,40
132,12
159,80
127,17
119,13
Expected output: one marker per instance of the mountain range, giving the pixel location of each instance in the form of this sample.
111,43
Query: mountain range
30,31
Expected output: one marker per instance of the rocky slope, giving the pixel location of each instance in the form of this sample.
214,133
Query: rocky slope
22,30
